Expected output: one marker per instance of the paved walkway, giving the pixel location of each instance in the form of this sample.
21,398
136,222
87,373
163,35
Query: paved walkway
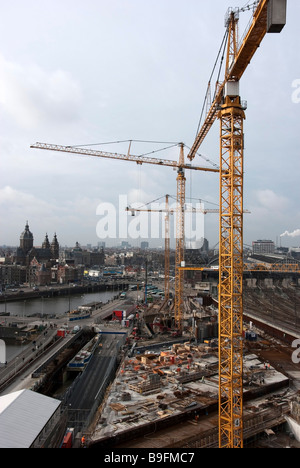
20,368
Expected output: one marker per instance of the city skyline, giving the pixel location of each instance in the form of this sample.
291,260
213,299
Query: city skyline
134,73
138,243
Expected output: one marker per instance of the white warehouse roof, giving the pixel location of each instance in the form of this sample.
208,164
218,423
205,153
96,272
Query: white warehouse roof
23,415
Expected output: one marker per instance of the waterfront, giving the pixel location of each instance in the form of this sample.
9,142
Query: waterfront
13,350
58,305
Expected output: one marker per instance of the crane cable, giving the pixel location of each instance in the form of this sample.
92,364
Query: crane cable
156,151
126,141
246,7
223,45
205,158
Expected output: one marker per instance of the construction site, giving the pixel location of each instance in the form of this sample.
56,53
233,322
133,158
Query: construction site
169,399
166,391
213,365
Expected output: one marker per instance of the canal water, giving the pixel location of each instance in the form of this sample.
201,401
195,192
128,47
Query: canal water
47,306
58,305
13,350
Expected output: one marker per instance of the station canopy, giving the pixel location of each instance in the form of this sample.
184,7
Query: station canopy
23,415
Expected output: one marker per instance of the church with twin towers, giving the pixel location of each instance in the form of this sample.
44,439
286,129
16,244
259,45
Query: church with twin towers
26,252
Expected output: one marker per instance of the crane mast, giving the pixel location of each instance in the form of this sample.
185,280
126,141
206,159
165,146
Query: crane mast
269,16
167,250
167,211
231,274
180,238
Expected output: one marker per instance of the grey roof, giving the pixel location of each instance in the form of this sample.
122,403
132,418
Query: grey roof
23,415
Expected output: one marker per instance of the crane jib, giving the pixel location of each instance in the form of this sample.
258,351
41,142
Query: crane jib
269,17
122,157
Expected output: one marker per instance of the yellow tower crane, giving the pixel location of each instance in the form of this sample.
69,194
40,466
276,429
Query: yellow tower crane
180,242
268,16
180,239
167,212
180,166
178,266
167,250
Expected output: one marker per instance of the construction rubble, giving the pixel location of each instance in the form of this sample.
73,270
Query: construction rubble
174,384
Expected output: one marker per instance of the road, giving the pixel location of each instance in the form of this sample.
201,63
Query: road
94,378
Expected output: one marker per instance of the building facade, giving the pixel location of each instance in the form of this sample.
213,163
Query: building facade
263,247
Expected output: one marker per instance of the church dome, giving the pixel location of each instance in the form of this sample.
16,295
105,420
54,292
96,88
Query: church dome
26,239
26,234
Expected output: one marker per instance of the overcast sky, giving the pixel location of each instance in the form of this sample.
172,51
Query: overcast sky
78,73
